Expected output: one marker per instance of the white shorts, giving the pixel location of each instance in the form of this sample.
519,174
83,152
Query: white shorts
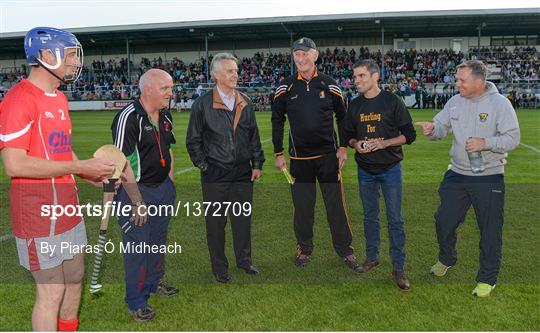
48,252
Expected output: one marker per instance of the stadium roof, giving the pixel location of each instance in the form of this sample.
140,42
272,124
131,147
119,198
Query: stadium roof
498,22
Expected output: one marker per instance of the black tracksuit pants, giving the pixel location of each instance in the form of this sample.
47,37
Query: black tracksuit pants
220,186
486,194
325,170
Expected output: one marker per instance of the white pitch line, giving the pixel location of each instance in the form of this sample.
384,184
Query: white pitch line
9,236
6,237
530,147
186,170
179,172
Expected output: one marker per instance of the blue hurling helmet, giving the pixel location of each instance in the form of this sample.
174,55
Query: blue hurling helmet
57,42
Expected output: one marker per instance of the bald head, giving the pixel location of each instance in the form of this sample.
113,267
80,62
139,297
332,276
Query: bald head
156,89
151,77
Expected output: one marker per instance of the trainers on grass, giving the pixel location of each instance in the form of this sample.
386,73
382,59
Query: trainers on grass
439,269
165,290
143,314
482,289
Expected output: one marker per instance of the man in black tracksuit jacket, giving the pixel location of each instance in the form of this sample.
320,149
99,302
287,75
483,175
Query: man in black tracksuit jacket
310,100
223,141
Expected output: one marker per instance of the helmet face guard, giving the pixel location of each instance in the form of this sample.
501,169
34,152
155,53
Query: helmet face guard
72,76
58,43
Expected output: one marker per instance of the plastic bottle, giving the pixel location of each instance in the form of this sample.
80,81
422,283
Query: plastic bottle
477,162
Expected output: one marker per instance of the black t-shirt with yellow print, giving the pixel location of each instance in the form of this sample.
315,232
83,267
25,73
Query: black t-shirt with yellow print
380,118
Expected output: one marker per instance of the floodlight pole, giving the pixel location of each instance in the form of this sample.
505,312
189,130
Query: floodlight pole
128,65
382,49
382,54
207,66
479,36
292,56
291,42
479,28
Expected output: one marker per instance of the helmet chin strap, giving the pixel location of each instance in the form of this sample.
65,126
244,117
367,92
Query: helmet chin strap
44,66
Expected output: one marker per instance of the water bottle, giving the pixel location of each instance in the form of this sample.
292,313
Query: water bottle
477,162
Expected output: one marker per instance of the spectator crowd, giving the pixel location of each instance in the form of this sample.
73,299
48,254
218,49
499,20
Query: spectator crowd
426,74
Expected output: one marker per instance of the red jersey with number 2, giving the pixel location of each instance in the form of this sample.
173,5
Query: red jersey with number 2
39,123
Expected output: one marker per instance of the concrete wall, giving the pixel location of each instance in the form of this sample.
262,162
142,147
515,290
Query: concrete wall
97,105
446,42
113,105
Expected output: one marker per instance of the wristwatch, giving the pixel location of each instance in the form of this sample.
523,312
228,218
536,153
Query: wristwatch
203,166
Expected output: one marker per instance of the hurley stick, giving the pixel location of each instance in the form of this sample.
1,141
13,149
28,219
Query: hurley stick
109,152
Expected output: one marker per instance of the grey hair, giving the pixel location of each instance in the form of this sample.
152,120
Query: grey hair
370,64
149,76
478,68
215,65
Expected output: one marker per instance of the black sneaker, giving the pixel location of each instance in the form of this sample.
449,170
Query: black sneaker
250,269
223,277
301,260
165,290
351,262
144,314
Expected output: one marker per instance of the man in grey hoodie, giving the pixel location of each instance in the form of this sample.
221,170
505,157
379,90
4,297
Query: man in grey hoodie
484,121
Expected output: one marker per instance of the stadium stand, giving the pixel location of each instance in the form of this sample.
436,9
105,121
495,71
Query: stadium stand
409,71
406,72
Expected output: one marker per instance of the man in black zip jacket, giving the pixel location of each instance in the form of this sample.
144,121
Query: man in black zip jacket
310,100
223,142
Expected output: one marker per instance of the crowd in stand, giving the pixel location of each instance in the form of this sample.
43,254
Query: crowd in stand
501,53
520,64
406,72
523,100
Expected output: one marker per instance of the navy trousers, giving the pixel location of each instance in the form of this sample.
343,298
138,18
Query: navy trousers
144,270
486,194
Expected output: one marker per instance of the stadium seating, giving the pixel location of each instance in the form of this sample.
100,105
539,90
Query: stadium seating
404,72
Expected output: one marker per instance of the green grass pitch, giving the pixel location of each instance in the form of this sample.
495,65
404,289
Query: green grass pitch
324,295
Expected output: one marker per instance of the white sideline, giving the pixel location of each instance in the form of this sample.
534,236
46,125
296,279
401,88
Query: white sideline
530,147
179,172
186,170
6,237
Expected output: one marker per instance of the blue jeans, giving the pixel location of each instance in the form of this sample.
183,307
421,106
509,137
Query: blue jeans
391,183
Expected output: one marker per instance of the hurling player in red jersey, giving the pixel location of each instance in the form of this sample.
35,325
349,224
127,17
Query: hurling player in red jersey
35,142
